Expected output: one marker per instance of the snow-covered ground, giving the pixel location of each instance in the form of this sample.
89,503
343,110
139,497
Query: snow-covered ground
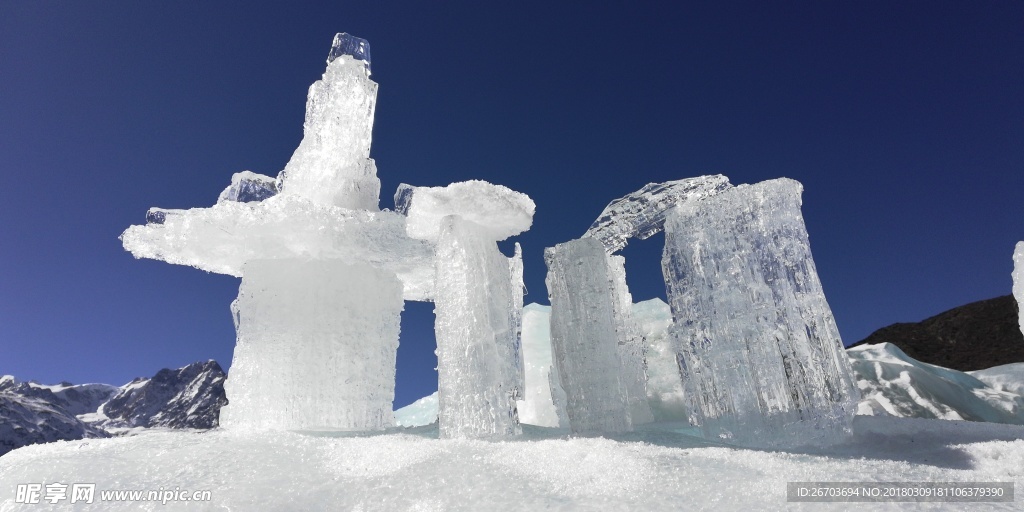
409,469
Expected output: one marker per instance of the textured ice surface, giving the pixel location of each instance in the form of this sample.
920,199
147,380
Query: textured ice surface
584,336
223,237
500,211
894,384
281,471
642,213
347,44
1018,281
316,347
758,349
248,186
478,356
540,404
332,164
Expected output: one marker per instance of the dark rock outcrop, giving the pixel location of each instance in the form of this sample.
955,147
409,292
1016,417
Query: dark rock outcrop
976,336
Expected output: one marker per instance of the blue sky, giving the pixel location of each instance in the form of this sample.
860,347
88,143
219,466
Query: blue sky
903,120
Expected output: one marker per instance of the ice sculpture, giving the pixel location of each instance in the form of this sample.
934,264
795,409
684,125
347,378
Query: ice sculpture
585,336
642,213
759,353
478,296
323,271
1018,281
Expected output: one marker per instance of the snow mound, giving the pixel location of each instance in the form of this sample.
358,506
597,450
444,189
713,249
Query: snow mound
645,470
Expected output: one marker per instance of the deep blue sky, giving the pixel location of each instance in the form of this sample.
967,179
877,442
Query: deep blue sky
903,120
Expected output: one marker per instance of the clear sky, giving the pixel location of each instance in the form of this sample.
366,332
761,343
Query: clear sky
903,120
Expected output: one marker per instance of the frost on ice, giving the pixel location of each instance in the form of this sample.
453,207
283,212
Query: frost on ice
759,353
1018,281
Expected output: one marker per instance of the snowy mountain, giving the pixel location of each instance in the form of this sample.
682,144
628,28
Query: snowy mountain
75,399
189,397
31,413
26,420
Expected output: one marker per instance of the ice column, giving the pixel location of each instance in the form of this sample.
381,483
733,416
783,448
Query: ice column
316,347
1018,281
632,350
476,342
584,336
760,356
478,296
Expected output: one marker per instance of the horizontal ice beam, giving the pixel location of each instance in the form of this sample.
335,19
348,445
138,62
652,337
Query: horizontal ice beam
642,213
224,237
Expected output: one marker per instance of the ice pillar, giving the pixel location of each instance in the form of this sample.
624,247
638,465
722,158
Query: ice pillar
479,360
759,353
316,347
1018,281
630,344
583,336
